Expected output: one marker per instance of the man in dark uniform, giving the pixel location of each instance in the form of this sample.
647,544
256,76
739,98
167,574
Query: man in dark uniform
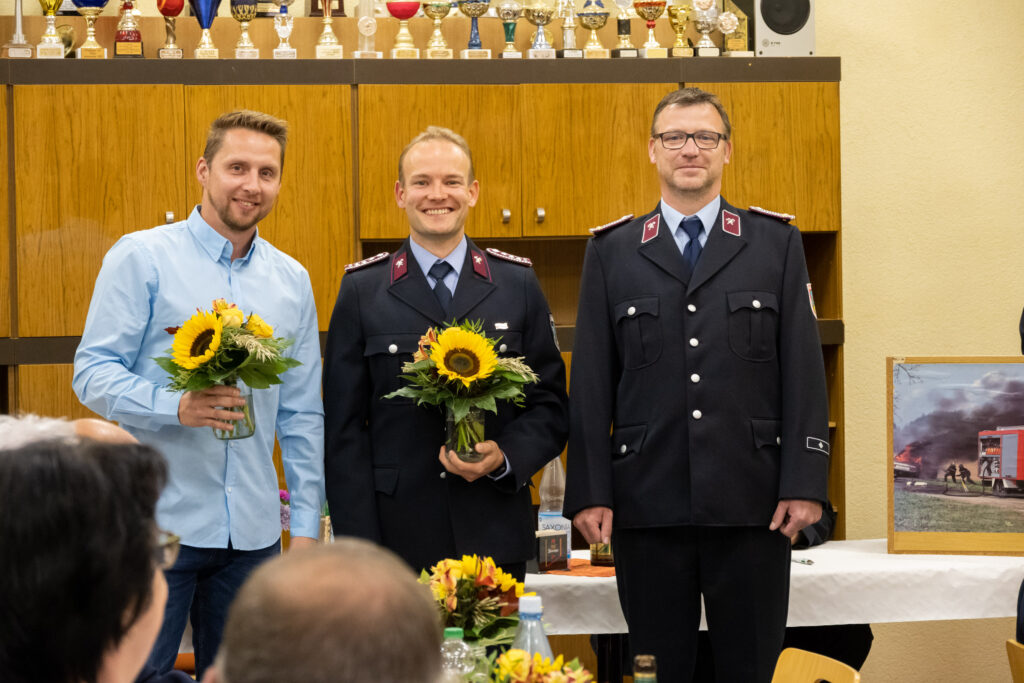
698,423
388,476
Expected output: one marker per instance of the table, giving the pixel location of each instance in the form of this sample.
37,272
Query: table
850,582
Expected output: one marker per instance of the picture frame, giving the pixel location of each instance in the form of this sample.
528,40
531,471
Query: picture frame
955,458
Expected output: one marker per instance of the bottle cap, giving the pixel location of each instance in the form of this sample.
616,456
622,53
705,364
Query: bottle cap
530,604
453,632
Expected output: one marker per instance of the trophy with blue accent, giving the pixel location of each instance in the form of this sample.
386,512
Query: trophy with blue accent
205,11
593,17
540,14
90,9
474,9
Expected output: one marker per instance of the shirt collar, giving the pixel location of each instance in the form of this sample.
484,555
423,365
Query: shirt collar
708,214
213,243
424,259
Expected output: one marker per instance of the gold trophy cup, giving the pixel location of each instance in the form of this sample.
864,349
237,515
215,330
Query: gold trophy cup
593,17
649,11
50,45
678,17
540,14
437,48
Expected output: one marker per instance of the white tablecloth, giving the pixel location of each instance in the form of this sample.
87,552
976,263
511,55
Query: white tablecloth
850,582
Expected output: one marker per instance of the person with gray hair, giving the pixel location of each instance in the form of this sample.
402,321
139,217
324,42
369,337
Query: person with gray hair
17,431
349,612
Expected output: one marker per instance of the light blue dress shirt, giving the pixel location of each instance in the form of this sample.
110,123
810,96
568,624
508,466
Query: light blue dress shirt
707,215
216,490
455,259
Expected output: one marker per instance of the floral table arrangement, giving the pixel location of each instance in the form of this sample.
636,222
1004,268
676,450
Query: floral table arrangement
457,367
223,347
516,666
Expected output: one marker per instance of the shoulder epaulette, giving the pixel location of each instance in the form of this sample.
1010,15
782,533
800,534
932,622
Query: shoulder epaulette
614,224
366,262
784,217
498,253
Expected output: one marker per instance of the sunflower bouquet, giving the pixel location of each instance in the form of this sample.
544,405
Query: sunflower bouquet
457,368
222,346
477,596
516,666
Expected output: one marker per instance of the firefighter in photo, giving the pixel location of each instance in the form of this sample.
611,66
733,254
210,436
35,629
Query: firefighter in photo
950,472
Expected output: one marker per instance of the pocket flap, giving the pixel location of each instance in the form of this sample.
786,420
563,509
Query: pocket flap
392,344
631,308
766,432
510,344
626,440
752,300
385,479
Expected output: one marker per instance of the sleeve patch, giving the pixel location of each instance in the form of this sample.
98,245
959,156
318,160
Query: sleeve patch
366,262
614,224
521,260
784,217
819,445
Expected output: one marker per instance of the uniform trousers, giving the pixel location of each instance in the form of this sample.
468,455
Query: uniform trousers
742,574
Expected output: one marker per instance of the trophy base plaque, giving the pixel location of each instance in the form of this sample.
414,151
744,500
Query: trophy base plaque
170,53
682,52
475,54
654,52
330,52
512,54
285,53
128,49
247,53
541,53
49,51
405,53
91,52
708,52
266,9
367,54
597,53
207,53
439,53
739,53
22,51
625,52
569,53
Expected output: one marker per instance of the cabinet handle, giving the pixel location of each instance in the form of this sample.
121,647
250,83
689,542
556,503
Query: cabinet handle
540,215
168,217
506,216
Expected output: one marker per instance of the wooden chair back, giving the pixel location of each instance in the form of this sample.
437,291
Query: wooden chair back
1015,652
801,666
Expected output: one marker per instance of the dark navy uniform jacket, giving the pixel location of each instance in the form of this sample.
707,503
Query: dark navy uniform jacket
696,399
383,478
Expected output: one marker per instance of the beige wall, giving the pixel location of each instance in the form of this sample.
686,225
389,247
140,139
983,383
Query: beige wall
931,247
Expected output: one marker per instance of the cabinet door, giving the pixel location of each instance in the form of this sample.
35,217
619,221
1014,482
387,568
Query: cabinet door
312,220
584,154
485,115
93,162
785,149
5,257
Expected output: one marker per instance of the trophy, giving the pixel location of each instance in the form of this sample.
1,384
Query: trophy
328,46
728,23
678,16
244,11
567,12
707,20
49,46
624,48
283,25
128,39
437,48
649,11
509,11
737,42
474,9
366,24
170,9
205,11
404,10
17,47
593,17
540,14
90,9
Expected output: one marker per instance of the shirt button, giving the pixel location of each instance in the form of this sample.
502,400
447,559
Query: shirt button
631,310
444,475
697,415
693,341
756,304
622,448
229,489
695,378
393,348
503,348
691,308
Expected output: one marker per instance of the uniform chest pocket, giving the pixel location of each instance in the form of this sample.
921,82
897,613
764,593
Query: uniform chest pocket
510,344
385,354
753,324
639,326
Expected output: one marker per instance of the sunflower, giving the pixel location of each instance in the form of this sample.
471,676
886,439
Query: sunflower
197,340
463,355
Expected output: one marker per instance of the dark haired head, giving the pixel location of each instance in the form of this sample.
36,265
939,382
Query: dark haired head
690,97
77,533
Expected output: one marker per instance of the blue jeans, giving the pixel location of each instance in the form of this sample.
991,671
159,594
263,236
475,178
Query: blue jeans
201,585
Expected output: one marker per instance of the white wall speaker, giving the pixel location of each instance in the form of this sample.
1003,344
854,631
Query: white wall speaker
784,28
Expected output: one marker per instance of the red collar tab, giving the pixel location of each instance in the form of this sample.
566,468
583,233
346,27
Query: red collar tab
497,253
366,262
784,217
399,266
730,223
651,228
480,266
614,224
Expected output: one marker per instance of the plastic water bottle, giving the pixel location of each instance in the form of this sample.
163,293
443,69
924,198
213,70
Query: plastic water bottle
456,657
530,634
552,493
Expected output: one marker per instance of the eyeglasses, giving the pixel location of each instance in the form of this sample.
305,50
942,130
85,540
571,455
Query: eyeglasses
704,139
166,551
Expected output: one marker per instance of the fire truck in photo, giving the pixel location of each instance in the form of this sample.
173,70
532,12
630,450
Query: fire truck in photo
1001,459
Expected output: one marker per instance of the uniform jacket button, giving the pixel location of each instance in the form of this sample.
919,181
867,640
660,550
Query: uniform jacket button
695,378
756,304
697,415
631,310
393,348
693,341
623,448
778,441
444,475
691,308
503,348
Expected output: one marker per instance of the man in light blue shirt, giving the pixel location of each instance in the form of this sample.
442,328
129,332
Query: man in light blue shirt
222,496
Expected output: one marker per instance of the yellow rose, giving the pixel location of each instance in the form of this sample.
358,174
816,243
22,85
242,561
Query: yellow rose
231,317
220,305
258,327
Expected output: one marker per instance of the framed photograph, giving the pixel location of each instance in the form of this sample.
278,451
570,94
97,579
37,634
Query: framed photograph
956,455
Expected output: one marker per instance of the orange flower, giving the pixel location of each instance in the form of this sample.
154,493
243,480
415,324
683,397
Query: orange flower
423,352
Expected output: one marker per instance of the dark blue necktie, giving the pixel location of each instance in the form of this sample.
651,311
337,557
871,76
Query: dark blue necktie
438,271
691,252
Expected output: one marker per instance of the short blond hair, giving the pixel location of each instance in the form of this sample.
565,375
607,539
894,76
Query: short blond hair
249,120
437,133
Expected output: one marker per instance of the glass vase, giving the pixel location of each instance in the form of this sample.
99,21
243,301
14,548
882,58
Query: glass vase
245,427
464,434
